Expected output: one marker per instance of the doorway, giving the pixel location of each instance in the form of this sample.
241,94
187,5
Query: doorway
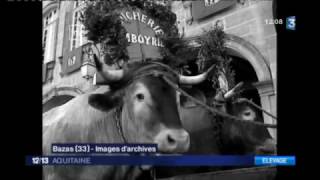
244,72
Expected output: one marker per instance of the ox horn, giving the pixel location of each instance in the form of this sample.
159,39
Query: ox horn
105,75
194,79
233,91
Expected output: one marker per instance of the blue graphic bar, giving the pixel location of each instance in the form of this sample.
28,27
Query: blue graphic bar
275,160
163,160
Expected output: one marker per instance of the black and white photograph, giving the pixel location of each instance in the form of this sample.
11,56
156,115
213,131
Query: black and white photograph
192,77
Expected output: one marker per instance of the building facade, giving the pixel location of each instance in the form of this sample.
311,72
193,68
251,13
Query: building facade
251,43
64,61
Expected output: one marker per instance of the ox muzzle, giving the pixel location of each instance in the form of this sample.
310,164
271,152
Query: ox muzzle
173,141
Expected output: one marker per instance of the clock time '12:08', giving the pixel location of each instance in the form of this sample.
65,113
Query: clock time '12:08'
273,21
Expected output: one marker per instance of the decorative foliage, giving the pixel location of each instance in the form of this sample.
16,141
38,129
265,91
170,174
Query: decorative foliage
213,52
102,20
104,27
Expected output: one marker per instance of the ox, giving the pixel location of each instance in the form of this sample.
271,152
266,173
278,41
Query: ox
144,106
211,134
232,137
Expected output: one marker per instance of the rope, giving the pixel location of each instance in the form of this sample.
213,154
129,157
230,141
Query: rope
118,124
213,110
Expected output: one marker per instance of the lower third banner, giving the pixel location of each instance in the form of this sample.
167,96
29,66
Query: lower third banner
162,160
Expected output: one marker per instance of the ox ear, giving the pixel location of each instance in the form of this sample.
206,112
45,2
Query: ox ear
104,102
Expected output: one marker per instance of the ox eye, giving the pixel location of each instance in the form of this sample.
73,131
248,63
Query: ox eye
140,97
247,113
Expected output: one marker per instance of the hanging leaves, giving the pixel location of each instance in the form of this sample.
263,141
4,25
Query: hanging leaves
212,51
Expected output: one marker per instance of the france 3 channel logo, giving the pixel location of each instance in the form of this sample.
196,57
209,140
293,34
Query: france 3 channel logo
291,23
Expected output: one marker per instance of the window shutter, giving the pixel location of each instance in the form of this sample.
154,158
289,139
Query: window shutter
47,48
50,43
53,41
83,35
44,72
78,54
50,68
66,41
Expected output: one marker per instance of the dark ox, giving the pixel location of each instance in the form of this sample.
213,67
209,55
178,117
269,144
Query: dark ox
217,135
145,106
210,134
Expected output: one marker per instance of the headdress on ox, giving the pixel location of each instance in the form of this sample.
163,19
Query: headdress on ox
106,76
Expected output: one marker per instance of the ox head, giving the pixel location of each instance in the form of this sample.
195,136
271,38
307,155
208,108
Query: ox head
259,136
148,103
242,109
246,137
